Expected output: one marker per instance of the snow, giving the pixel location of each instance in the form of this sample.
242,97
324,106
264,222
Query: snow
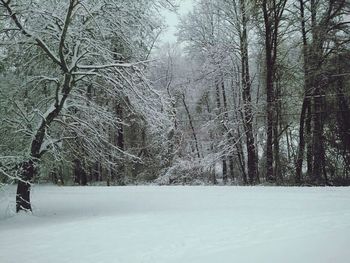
178,224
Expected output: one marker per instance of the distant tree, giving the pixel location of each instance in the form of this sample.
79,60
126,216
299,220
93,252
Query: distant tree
324,35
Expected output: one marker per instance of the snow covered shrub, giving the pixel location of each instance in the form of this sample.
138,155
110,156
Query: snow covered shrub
191,172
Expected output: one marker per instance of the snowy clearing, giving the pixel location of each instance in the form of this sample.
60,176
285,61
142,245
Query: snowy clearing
178,224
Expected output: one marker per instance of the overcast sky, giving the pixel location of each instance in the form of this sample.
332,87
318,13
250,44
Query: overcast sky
172,20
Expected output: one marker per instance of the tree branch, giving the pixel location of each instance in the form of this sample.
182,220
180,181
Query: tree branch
72,5
26,33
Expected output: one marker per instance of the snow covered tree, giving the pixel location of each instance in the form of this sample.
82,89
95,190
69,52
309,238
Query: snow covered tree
60,51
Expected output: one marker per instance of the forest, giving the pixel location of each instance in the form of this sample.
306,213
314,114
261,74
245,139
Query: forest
252,93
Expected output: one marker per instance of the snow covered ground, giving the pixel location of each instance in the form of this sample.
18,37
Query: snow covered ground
178,225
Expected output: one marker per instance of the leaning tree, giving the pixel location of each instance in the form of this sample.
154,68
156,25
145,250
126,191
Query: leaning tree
58,51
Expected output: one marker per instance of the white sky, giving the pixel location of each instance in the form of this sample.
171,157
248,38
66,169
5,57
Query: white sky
172,20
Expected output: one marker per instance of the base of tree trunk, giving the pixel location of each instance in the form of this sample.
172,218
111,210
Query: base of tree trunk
23,197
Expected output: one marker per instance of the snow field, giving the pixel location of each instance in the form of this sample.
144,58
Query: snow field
144,224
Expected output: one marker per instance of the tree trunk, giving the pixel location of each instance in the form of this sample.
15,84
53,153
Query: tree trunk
119,173
269,141
317,138
276,136
277,173
23,187
223,121
269,92
305,116
191,125
247,101
315,61
272,12
80,176
213,177
241,161
300,158
224,161
309,153
231,166
224,171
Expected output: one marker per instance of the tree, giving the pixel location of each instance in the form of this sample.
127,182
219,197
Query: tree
238,13
272,13
65,47
211,40
322,38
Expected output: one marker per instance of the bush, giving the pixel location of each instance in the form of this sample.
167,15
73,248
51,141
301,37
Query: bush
184,172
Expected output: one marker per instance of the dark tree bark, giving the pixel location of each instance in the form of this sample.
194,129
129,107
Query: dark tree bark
97,171
120,143
76,171
315,61
247,100
272,12
191,125
80,176
305,116
23,186
277,174
224,160
309,153
343,118
238,143
300,157
241,160
231,167
120,132
317,138
325,26
276,134
269,93
224,171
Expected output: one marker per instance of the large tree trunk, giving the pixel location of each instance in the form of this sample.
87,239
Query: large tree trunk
272,12
269,62
305,116
315,62
23,186
301,147
317,137
247,101
28,171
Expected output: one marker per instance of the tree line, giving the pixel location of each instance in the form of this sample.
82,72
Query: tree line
269,83
254,92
